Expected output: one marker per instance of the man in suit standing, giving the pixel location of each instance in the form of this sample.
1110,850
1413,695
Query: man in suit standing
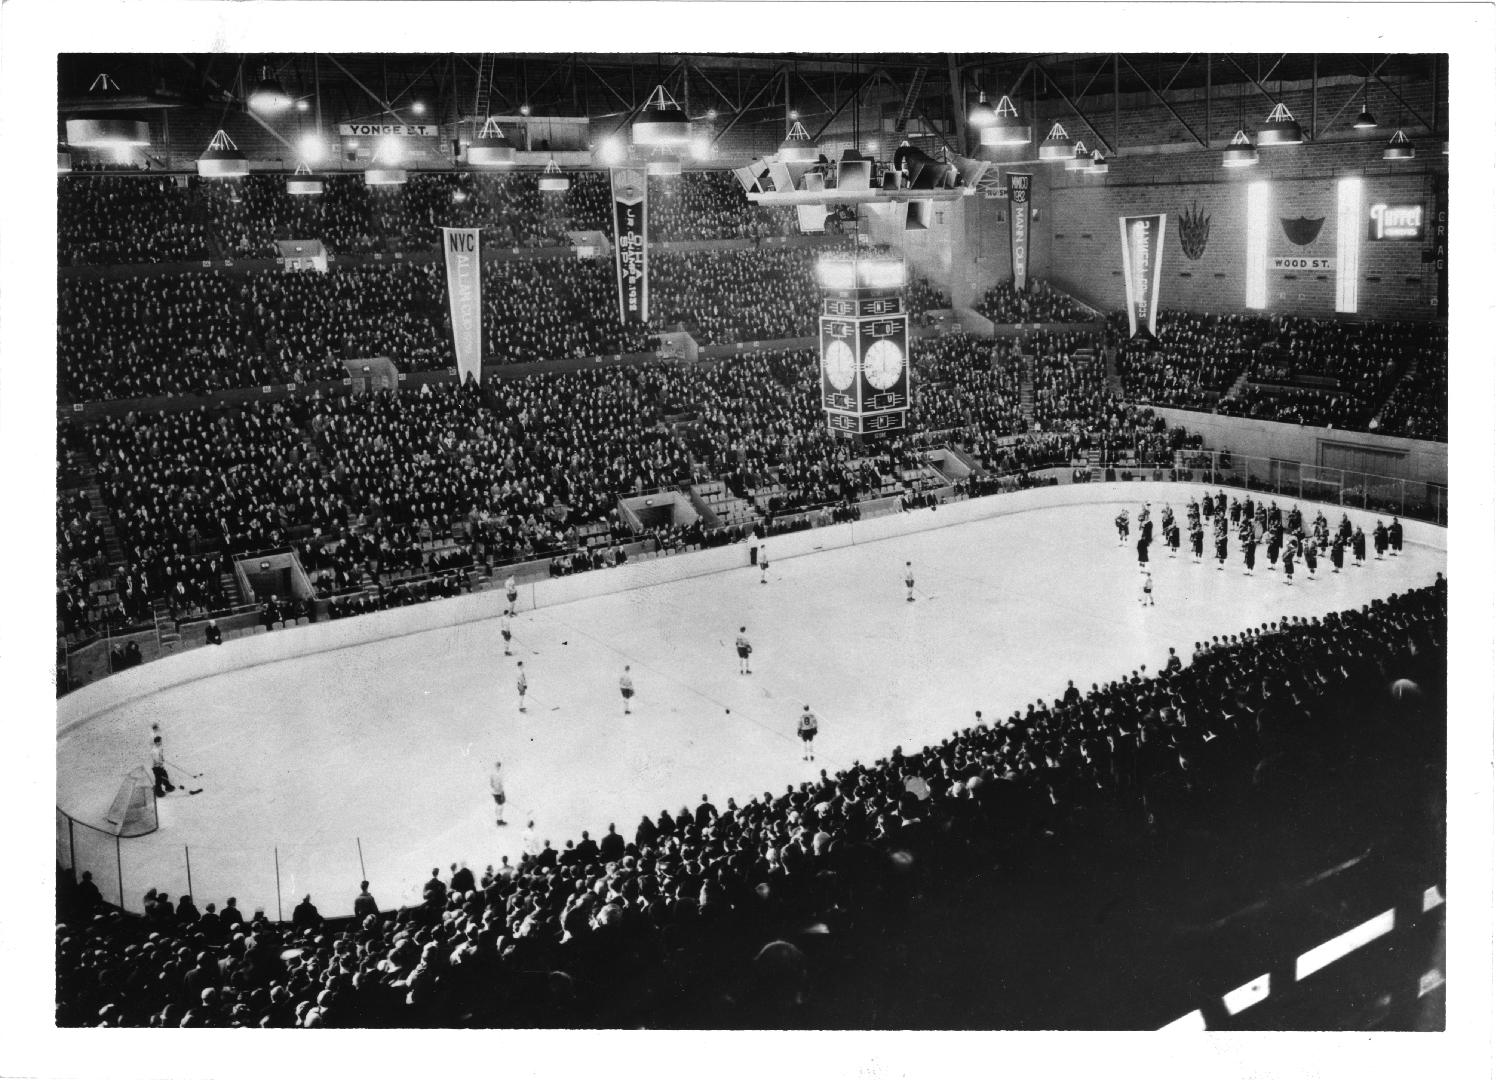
364,903
611,846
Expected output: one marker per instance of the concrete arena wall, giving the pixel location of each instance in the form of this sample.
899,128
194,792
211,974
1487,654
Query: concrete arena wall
89,701
1421,461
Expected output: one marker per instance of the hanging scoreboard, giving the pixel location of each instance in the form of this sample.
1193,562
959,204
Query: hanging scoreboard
865,356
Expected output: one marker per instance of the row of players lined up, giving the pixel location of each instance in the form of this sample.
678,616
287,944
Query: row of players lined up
806,728
1288,535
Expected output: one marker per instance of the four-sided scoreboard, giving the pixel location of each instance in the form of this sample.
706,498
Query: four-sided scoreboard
865,387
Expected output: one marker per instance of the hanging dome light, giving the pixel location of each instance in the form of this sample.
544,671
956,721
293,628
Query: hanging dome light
553,179
797,145
1240,152
661,122
1056,145
490,149
1364,121
303,182
108,133
1398,148
666,165
222,160
269,96
1280,129
1099,165
982,114
1079,159
384,168
1007,129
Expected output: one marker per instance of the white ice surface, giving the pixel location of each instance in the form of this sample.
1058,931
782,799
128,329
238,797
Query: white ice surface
388,745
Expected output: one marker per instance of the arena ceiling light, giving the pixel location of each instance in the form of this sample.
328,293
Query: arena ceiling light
1057,145
860,270
1099,165
553,179
611,151
107,133
378,176
311,148
1240,152
490,150
384,168
665,165
1398,148
1079,159
1280,128
1364,121
662,123
303,182
269,96
1007,127
797,146
982,114
222,160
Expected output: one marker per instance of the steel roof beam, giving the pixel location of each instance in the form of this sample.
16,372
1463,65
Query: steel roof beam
1084,119
1161,100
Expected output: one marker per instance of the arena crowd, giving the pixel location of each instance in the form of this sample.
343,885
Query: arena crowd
691,917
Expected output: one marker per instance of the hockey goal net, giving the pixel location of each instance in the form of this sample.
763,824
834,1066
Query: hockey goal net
133,812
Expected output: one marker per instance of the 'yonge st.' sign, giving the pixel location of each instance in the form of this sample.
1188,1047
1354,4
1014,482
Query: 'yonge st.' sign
372,130
1396,222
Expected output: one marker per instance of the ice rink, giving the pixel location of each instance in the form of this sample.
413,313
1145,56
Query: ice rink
383,750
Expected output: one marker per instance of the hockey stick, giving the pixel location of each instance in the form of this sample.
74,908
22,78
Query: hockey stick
183,768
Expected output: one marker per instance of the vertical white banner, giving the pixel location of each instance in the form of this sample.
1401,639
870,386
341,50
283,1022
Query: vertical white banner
1259,200
1347,243
465,296
1142,266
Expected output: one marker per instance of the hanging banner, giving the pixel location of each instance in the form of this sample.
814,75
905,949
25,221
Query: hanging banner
631,243
1142,265
465,295
1019,187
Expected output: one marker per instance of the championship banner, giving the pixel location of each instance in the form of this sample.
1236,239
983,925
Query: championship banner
1142,266
631,246
1019,186
465,294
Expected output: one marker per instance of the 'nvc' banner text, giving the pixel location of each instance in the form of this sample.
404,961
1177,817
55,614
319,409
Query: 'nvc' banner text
465,295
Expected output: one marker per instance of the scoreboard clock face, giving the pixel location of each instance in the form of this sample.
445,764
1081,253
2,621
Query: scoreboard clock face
841,364
884,364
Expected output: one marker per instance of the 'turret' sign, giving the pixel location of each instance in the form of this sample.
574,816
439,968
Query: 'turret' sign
1395,222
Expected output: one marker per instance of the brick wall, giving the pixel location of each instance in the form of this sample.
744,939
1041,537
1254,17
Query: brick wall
1395,282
